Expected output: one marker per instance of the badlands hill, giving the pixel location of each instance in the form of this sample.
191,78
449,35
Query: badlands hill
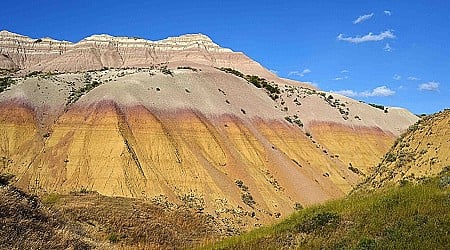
404,204
421,152
181,119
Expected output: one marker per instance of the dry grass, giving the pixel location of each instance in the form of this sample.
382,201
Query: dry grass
90,220
127,223
413,216
25,224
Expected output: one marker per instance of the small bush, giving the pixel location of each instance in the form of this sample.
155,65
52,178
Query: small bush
113,238
298,206
187,67
5,179
319,222
367,244
377,106
51,199
6,82
390,157
247,198
444,181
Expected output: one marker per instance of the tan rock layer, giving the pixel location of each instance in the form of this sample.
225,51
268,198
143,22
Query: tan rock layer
358,146
139,152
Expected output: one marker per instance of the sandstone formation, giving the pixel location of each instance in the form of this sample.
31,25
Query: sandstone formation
135,118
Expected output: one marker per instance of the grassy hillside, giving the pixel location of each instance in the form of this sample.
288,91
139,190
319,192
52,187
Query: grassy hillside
412,216
422,151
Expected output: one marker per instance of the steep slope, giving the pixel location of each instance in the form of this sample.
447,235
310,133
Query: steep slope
84,220
231,144
423,151
27,224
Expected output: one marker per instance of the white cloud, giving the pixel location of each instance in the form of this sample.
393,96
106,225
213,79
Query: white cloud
367,38
413,78
387,47
378,91
340,78
396,77
429,86
346,92
363,18
387,13
298,73
344,71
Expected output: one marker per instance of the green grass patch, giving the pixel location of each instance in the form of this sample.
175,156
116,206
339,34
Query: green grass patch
51,199
413,216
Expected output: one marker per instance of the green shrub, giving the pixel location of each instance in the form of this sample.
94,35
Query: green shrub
113,238
247,198
319,222
390,157
6,82
377,106
5,179
51,199
367,244
298,206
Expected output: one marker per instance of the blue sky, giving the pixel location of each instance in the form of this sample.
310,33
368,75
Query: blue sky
396,54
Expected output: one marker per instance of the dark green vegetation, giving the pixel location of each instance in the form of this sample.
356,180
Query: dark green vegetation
187,67
271,88
90,84
411,216
294,119
379,107
6,82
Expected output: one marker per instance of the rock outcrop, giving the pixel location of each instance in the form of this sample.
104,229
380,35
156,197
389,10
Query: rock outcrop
105,51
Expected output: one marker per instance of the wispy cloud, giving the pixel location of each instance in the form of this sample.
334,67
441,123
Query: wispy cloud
367,38
413,78
387,13
429,86
378,91
397,77
387,47
299,73
363,18
273,71
346,92
340,78
344,71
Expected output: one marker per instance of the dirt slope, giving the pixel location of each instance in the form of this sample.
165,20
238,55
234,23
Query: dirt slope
423,151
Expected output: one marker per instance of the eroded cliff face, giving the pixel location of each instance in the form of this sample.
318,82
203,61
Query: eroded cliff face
104,51
184,131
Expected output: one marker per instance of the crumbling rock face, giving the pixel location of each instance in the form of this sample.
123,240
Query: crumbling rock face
105,51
